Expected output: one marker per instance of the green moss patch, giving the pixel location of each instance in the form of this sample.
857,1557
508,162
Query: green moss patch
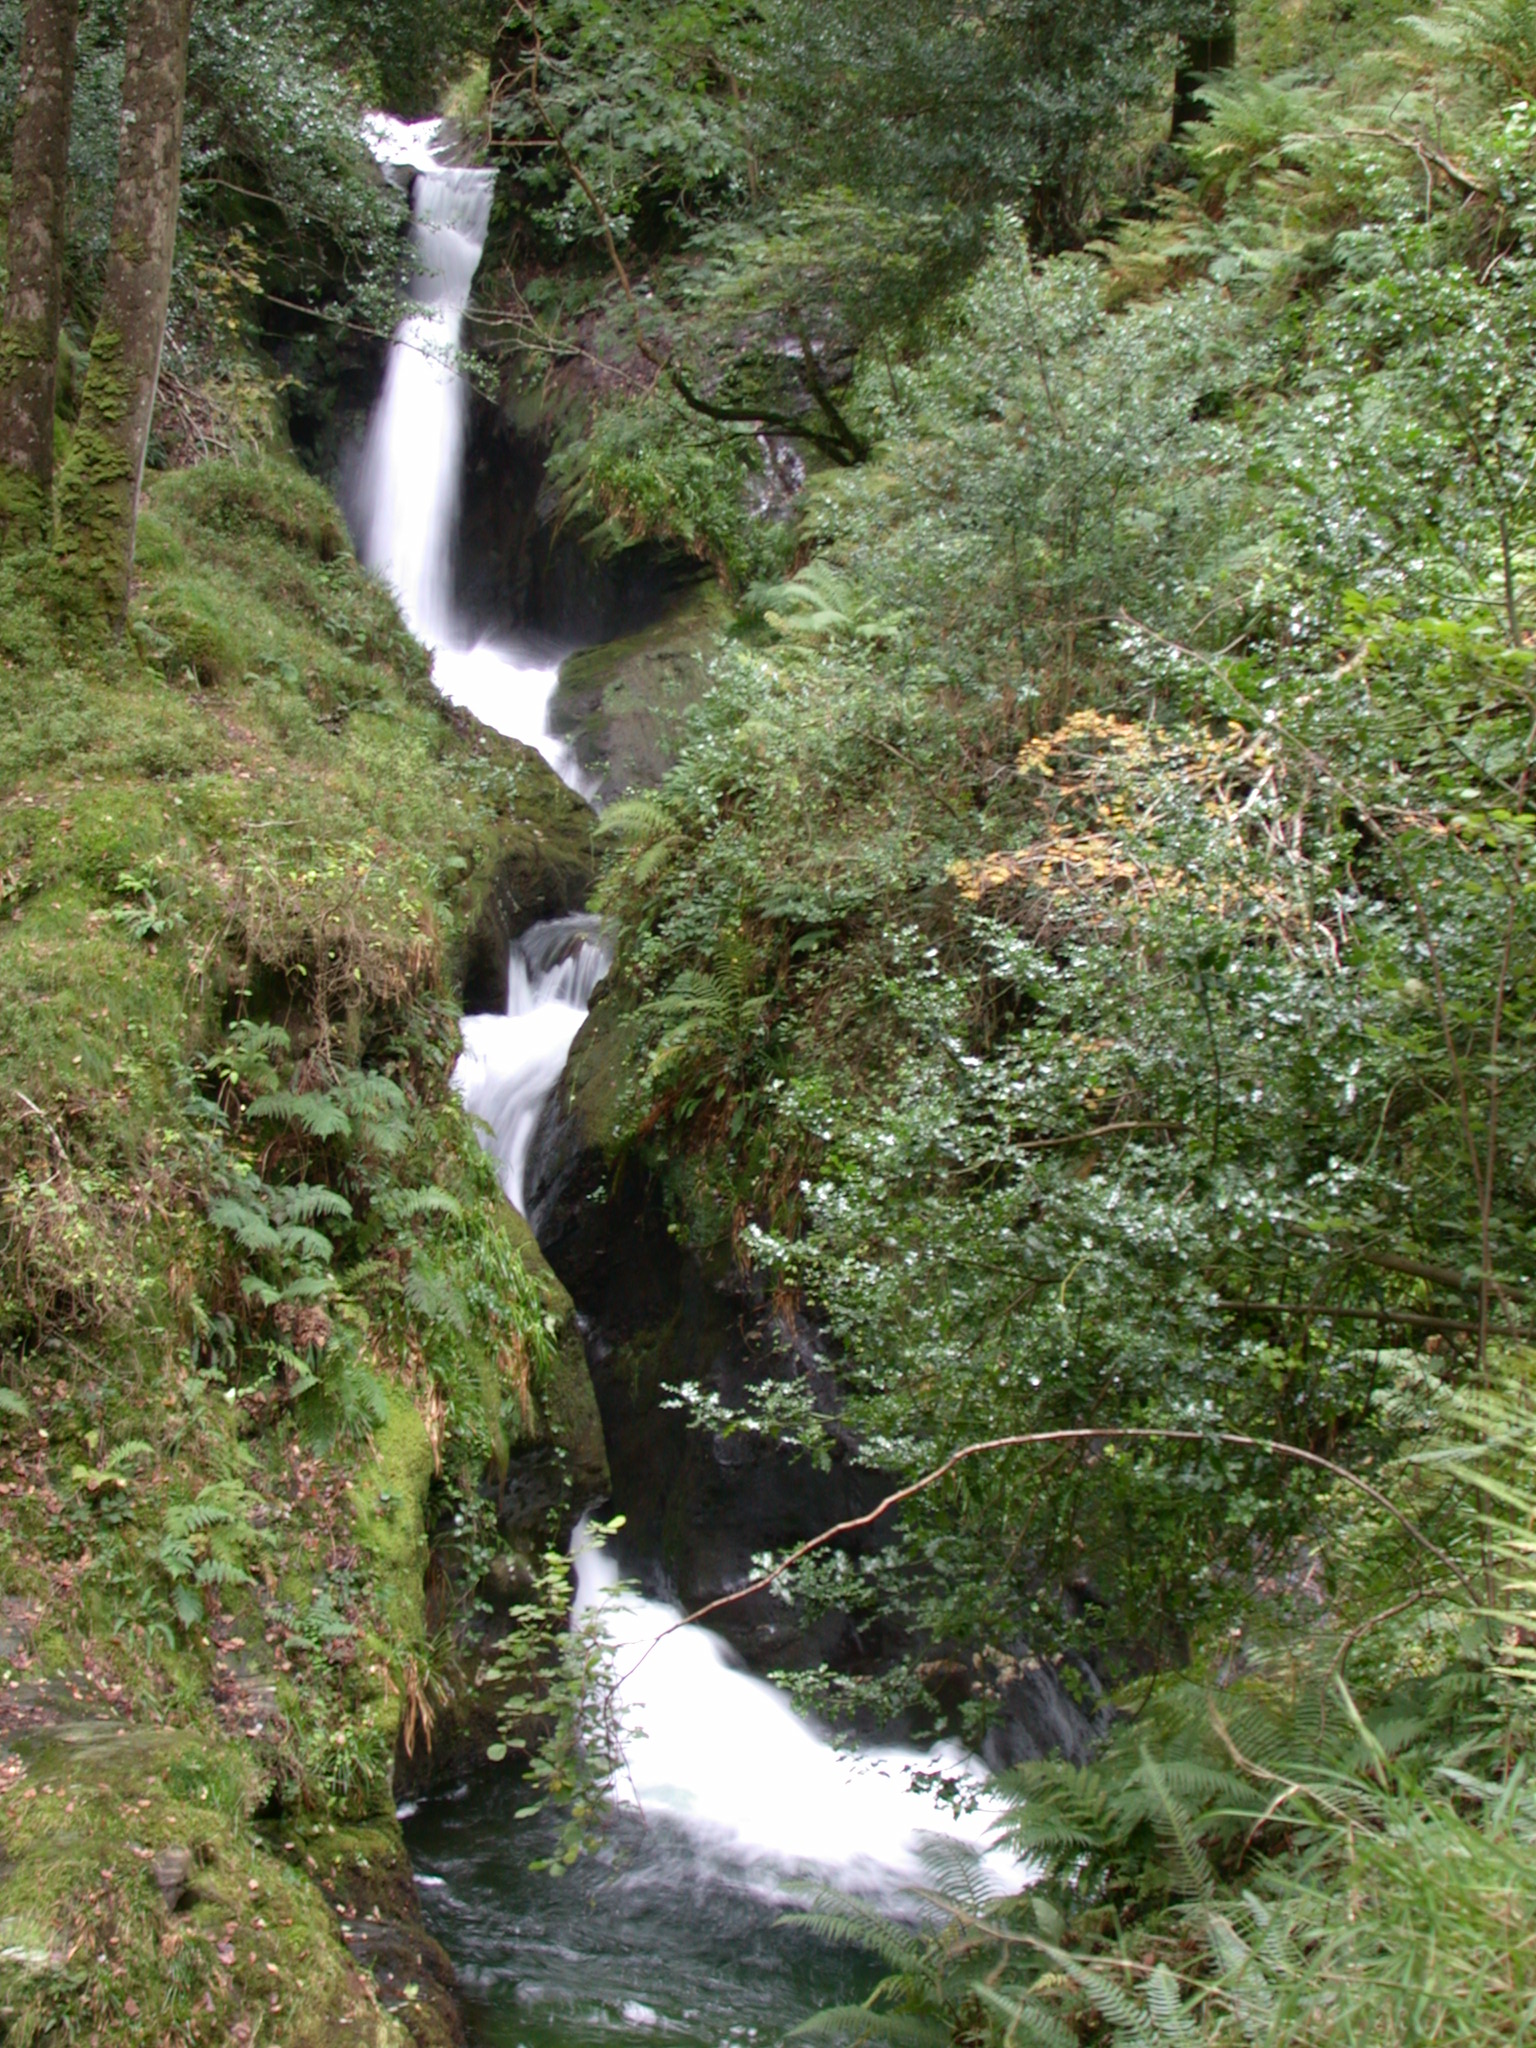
265,1318
623,705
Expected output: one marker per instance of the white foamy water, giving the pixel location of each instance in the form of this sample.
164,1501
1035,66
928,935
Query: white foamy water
511,1063
408,483
726,1756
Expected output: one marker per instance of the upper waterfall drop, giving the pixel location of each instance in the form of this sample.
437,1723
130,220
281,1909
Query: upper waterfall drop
414,453
410,476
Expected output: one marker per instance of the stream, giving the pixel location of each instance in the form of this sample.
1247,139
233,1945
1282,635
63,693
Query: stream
732,1807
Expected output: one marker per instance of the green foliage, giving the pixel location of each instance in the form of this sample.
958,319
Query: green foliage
957,110
555,1683
1190,1878
1164,1060
774,201
638,99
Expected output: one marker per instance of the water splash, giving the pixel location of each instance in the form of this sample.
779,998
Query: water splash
724,1755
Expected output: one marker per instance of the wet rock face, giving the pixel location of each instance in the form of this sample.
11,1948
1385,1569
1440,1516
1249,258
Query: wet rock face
698,1507
517,570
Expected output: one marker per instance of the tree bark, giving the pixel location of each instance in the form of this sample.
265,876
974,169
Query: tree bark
99,487
29,339
1201,58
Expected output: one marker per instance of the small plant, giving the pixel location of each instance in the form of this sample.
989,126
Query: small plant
209,1541
142,915
557,1706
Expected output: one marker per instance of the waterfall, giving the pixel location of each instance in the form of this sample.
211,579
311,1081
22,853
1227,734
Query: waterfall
409,479
409,486
757,1794
511,1063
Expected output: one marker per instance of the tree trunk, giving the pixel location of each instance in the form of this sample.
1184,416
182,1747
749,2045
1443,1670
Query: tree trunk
99,487
1201,58
29,339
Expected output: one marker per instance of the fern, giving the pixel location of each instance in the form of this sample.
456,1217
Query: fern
1171,1818
1026,2020
395,1207
301,1203
637,820
320,1115
1494,37
434,1296
858,2023
821,604
249,1227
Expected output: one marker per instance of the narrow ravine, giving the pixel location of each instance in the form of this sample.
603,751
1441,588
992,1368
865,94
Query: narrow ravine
732,1803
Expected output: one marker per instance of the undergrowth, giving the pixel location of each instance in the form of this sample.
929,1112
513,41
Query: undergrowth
265,1319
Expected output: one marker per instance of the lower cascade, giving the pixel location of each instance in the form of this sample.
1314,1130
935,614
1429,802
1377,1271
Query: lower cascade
726,1757
511,1063
730,1802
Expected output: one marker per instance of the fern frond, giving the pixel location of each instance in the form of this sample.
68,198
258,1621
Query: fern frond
303,1202
855,1923
433,1295
858,2023
638,820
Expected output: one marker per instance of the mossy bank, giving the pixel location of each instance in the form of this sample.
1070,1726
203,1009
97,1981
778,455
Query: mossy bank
281,1376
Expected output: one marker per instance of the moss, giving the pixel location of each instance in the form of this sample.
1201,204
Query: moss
389,1502
567,1406
25,513
89,1939
598,1072
251,807
365,1875
98,487
623,705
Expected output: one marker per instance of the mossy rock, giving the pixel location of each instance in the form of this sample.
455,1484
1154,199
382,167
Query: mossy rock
90,1943
623,706
564,1418
591,1089
541,864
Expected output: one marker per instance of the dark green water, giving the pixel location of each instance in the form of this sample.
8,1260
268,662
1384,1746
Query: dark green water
645,1943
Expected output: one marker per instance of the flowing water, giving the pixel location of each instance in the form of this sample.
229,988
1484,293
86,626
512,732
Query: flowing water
511,1063
408,484
732,1805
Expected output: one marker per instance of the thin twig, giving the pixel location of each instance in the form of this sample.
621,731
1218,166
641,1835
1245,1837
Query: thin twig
1034,1439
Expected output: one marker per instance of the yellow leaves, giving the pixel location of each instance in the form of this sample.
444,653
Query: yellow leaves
1063,867
1113,791
1105,751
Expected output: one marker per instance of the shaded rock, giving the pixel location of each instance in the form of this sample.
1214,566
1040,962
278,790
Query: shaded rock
517,565
623,706
698,1506
1040,1718
172,1868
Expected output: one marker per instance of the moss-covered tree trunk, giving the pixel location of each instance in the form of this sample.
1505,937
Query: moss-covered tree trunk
99,487
29,339
1202,58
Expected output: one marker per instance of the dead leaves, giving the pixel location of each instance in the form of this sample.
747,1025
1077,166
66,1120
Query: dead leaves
1131,814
